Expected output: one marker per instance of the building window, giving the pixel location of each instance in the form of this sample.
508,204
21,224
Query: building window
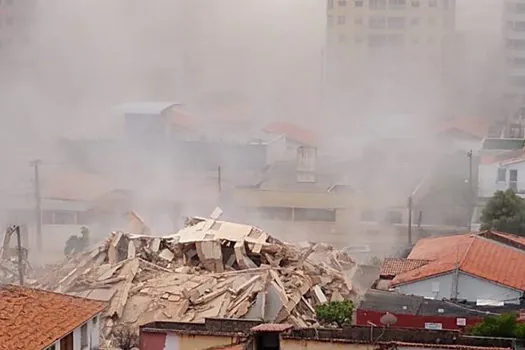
518,26
9,2
59,217
341,20
446,4
330,4
84,337
308,214
368,215
377,40
52,347
330,21
516,62
432,3
341,3
517,81
414,3
396,22
276,213
435,287
377,22
397,3
358,21
502,175
518,44
358,3
94,321
378,4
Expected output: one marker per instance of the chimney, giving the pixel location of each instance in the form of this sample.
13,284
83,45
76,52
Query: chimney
306,164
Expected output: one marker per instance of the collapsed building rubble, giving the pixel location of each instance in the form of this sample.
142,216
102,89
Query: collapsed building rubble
208,269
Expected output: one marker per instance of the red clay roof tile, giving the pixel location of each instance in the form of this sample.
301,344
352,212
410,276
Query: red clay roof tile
32,319
392,267
470,253
293,132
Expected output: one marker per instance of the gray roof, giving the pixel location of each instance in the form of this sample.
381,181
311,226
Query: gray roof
283,176
397,303
144,107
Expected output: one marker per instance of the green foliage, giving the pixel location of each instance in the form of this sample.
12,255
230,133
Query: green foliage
496,326
338,312
505,212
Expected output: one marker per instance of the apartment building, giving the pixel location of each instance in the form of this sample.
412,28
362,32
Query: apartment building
514,35
15,17
388,44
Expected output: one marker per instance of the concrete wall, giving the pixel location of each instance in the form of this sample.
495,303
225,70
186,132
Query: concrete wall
294,344
174,341
93,334
469,287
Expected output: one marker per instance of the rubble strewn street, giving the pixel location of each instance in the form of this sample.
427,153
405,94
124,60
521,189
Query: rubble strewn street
209,268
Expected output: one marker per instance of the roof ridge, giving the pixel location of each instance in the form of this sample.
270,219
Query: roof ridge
53,292
467,250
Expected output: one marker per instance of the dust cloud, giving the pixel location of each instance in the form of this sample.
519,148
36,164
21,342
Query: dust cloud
83,57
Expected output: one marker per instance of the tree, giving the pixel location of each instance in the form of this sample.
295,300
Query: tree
126,338
496,326
335,312
505,212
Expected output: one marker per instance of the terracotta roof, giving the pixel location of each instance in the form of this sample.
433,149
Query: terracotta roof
473,126
505,238
470,253
293,132
392,267
32,319
272,327
443,346
184,119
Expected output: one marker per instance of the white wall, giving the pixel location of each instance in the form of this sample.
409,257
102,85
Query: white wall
488,174
93,336
469,288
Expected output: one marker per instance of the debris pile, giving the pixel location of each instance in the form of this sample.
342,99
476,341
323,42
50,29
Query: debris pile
209,268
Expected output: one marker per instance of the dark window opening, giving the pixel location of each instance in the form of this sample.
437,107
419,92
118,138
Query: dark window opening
275,213
307,214
267,341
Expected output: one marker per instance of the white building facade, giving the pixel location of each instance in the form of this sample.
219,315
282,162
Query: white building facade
85,337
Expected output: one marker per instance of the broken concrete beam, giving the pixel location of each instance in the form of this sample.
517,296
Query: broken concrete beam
242,258
166,254
210,255
155,245
131,249
118,302
319,295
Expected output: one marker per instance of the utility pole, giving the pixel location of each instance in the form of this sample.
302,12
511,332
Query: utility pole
410,220
38,204
470,210
219,180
